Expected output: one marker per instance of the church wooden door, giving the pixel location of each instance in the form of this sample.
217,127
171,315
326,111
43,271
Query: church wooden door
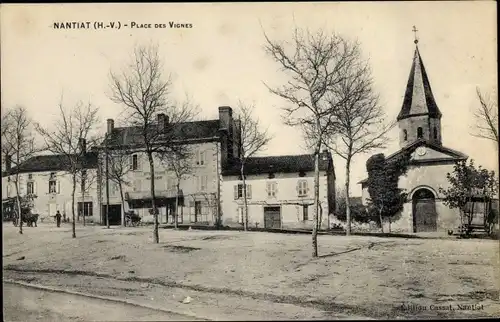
424,211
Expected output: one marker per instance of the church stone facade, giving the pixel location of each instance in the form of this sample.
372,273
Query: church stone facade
420,136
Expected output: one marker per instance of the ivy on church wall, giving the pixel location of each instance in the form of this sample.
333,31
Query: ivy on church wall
386,198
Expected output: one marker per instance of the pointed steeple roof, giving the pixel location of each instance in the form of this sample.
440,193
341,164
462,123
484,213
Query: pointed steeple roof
418,99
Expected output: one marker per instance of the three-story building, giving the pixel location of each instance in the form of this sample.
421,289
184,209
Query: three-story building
211,144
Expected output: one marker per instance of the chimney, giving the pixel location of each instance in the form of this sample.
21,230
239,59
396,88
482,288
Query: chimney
225,117
111,125
8,163
226,131
162,121
82,143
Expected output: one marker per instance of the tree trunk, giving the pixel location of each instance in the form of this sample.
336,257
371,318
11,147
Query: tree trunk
316,203
381,221
176,204
107,188
245,205
320,219
390,221
156,237
347,199
218,214
123,202
83,201
19,210
73,206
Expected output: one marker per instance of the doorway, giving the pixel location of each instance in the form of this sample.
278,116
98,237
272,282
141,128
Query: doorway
424,211
272,217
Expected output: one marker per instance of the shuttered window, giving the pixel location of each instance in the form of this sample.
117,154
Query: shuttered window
302,188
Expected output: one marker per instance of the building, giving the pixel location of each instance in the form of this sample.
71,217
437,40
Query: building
280,191
212,144
280,188
44,176
420,136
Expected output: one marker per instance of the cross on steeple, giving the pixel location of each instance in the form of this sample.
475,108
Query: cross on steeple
415,31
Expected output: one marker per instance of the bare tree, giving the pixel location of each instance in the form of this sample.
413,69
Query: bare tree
74,127
314,64
358,125
145,94
18,145
486,115
253,140
119,167
180,162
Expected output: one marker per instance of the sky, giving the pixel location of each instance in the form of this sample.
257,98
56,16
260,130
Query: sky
220,60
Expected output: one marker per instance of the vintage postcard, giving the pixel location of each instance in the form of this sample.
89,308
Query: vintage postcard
250,161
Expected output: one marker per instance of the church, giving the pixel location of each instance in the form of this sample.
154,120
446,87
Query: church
420,136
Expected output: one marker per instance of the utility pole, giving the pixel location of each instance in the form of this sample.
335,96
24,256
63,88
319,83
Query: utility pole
107,181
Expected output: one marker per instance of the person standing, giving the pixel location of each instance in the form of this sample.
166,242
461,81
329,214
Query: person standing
58,218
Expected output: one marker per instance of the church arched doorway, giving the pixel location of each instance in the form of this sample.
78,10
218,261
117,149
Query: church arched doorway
424,211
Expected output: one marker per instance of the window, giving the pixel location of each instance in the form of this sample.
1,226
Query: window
85,209
30,176
113,188
305,212
405,135
271,189
52,186
134,162
302,188
435,133
137,185
30,188
420,133
201,182
171,183
240,215
52,175
238,191
200,158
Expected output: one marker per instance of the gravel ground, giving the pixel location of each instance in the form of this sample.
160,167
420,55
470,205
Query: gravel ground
355,276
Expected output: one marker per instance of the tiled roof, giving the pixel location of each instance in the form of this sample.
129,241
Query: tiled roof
455,155
182,131
418,97
275,164
52,162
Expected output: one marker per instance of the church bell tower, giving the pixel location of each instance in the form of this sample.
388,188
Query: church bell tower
419,118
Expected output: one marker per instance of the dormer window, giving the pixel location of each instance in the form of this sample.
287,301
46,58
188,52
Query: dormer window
405,135
420,133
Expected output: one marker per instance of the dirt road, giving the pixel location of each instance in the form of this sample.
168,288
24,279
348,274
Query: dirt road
23,303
